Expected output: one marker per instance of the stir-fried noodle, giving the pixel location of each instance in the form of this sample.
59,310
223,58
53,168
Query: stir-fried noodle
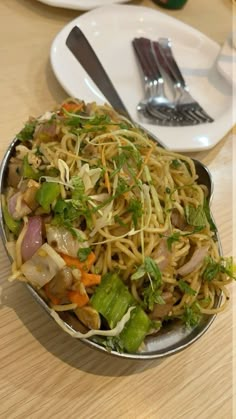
115,194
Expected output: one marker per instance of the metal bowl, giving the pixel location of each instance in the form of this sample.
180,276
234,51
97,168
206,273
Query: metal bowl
172,338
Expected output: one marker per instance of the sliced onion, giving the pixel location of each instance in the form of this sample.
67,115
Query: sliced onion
194,262
48,130
42,266
33,237
63,241
162,255
17,207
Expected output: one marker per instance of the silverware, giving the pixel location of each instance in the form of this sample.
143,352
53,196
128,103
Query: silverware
153,83
168,341
192,111
91,63
165,112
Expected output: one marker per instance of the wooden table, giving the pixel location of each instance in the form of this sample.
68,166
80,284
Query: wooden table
45,373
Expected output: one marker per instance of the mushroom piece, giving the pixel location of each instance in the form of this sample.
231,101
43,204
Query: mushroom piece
89,317
60,284
29,196
162,310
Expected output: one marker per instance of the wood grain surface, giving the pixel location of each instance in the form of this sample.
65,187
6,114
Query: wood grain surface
43,372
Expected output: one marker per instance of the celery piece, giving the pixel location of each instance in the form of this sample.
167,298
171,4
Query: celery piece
47,194
112,299
135,330
13,225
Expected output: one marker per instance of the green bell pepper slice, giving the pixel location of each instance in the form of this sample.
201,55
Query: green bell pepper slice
135,330
28,171
13,225
112,300
46,194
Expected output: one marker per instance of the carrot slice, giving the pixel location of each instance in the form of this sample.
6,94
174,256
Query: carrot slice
75,262
90,279
72,107
106,176
78,298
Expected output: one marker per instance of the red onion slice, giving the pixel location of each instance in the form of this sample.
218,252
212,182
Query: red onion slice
33,237
17,207
195,261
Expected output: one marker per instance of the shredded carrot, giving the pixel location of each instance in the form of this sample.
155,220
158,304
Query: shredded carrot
72,261
145,161
90,279
55,300
106,176
78,298
72,107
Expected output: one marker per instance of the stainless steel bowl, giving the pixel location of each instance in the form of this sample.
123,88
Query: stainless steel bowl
172,338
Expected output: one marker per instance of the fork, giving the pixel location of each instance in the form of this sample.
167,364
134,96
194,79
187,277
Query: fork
185,103
153,84
156,108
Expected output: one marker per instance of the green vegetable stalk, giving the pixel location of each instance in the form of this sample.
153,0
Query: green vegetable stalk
13,225
112,300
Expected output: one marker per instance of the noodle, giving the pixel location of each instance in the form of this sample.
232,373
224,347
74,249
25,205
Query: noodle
137,204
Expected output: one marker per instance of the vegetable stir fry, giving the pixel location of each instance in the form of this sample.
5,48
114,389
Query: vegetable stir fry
112,228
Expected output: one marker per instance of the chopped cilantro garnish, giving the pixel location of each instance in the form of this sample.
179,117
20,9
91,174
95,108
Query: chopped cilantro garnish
27,132
135,207
152,291
213,268
185,287
207,211
173,238
195,216
175,163
191,315
83,253
119,221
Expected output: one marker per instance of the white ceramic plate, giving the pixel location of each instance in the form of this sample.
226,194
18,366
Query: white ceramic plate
226,61
110,31
81,4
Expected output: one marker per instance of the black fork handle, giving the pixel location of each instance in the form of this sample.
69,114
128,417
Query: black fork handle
167,53
144,52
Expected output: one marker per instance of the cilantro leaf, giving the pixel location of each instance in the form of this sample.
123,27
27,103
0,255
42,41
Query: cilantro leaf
141,271
135,207
185,287
175,163
191,315
152,296
195,216
151,292
153,270
209,218
173,238
119,221
83,253
149,267
213,268
27,132
79,190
